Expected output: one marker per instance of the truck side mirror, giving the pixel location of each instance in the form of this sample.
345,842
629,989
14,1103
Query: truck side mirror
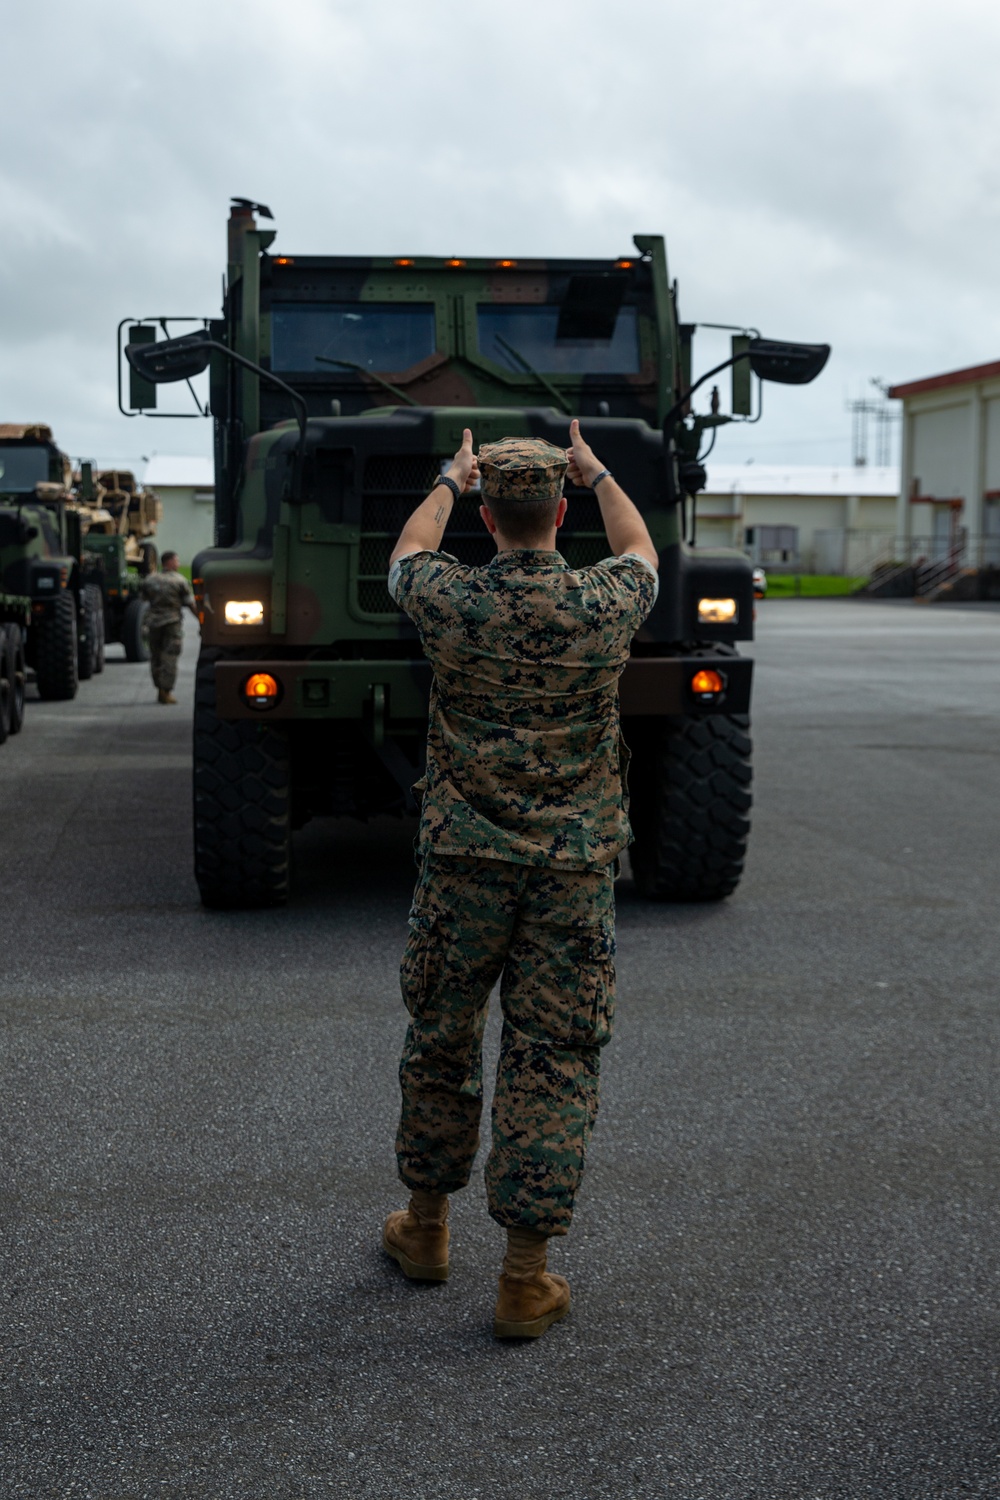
788,364
742,405
141,391
170,359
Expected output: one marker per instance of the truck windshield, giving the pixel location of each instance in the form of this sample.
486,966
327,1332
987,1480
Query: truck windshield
377,335
534,333
21,469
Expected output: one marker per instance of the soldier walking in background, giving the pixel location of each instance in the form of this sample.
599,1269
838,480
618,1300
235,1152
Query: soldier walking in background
522,820
168,592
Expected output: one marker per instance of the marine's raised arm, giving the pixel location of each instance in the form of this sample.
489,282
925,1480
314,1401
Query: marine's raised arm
623,522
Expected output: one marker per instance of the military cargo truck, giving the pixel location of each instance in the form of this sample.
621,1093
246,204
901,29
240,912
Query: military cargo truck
15,615
312,687
120,518
41,560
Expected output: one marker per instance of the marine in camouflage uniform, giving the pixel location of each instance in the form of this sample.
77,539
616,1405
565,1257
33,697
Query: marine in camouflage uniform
167,593
523,816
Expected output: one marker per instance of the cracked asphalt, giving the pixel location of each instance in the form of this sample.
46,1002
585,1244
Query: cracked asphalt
785,1257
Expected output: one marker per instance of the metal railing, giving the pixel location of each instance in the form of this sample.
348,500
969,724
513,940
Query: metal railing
925,567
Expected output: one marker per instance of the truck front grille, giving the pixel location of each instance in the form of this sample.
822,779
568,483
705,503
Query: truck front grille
392,487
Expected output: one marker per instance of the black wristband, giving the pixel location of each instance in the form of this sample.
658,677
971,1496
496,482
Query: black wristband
451,485
604,474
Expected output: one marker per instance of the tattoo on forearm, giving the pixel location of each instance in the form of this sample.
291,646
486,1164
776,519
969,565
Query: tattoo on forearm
439,514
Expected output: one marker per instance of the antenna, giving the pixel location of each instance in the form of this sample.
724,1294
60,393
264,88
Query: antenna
883,415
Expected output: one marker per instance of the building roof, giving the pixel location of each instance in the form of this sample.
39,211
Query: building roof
970,376
165,470
802,479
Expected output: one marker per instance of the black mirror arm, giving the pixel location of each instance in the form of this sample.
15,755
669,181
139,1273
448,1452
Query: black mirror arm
301,411
678,406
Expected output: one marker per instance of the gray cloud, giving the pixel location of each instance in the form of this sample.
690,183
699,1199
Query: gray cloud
822,171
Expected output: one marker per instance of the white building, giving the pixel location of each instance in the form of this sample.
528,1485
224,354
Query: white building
949,501
803,517
187,488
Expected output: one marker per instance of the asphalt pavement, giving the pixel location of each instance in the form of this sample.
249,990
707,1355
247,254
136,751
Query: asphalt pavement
785,1257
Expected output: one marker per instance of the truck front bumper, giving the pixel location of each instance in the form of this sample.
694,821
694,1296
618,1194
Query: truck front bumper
649,687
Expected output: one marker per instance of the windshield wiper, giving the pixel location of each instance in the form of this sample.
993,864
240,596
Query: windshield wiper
556,394
349,364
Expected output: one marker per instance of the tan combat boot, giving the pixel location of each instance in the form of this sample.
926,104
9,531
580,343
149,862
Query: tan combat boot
530,1300
417,1237
165,697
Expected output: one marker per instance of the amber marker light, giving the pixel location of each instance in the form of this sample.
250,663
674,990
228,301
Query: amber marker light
284,260
717,612
404,260
244,612
506,265
624,265
261,690
454,262
707,683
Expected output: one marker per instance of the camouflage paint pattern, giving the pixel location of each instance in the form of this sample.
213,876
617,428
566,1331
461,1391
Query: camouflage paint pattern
524,750
522,469
166,641
548,936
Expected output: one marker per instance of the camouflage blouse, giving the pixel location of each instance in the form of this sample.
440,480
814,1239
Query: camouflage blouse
524,751
167,593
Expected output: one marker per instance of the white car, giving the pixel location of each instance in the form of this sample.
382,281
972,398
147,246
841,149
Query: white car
759,583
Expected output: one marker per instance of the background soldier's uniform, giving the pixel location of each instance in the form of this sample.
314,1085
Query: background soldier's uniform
168,594
522,819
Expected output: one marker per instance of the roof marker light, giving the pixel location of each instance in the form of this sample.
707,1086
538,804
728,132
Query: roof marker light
624,265
454,262
506,264
284,260
404,260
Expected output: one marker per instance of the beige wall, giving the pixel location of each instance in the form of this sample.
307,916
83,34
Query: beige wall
188,522
951,446
724,518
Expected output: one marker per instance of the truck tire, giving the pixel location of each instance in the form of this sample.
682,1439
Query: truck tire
134,635
16,637
6,684
689,806
242,804
89,639
56,650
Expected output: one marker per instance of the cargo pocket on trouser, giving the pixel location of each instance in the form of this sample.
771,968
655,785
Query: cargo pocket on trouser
559,985
418,957
596,1015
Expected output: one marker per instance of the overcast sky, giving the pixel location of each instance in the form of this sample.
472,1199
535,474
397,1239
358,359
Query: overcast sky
822,169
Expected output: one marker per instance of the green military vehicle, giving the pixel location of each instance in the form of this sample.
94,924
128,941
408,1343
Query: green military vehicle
41,550
312,687
121,518
15,616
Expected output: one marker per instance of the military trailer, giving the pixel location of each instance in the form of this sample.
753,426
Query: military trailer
41,542
121,518
340,387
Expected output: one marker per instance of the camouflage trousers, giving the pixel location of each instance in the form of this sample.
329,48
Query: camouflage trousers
548,936
165,643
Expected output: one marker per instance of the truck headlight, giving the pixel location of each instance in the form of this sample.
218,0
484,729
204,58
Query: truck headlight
244,612
717,612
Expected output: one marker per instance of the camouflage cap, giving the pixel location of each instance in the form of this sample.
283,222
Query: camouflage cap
521,469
